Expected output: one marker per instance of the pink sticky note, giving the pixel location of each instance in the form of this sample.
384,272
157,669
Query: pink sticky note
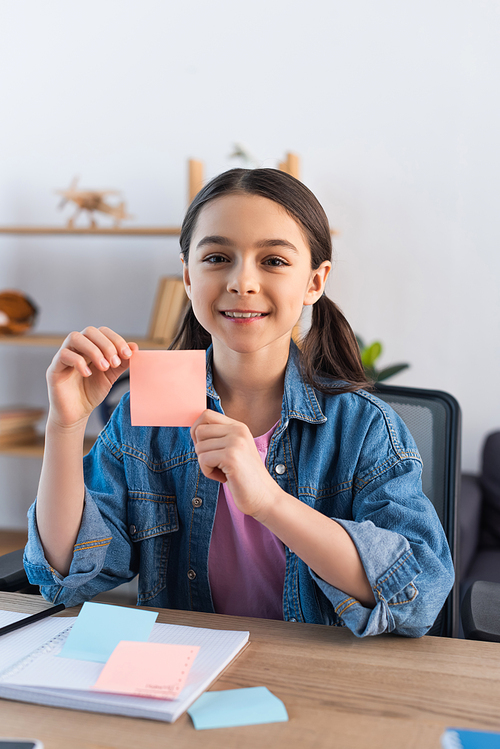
147,669
167,388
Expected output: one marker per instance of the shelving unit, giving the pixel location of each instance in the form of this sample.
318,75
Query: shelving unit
34,448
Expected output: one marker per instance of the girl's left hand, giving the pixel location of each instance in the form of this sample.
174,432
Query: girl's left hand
227,453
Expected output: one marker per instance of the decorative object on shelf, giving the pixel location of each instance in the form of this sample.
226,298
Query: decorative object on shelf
170,301
17,312
92,201
17,424
246,159
369,355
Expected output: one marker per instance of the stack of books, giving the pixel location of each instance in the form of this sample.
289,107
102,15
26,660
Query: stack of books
168,309
18,424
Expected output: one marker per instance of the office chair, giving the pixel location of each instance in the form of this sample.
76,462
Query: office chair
434,420
13,578
480,611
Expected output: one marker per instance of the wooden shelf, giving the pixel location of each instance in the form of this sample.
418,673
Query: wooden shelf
56,339
34,449
131,231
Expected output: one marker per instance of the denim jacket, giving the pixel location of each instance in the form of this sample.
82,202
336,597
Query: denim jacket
149,511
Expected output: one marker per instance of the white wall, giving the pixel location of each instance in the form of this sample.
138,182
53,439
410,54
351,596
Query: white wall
393,107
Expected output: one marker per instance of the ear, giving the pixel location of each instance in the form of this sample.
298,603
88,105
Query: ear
317,283
185,277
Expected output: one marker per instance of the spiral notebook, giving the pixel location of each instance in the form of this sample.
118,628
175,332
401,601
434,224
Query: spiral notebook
30,670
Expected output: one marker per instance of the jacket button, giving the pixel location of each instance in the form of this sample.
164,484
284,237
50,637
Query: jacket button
280,468
132,529
197,501
293,619
191,574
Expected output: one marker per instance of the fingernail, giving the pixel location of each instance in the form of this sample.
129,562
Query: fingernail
115,361
88,371
126,351
104,364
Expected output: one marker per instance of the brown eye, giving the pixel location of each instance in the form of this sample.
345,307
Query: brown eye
276,262
215,259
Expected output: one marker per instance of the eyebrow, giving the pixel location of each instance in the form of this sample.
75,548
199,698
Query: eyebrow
226,242
214,239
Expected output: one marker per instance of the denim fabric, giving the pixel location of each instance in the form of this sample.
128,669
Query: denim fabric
149,511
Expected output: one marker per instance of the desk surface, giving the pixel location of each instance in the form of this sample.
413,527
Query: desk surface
376,693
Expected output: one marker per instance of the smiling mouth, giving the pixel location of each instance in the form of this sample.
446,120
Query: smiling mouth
246,315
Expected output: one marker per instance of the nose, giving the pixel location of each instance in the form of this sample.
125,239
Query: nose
243,279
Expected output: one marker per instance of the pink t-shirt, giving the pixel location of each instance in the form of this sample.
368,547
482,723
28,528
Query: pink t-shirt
246,562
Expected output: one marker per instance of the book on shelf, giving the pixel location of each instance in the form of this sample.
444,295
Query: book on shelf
18,424
169,305
32,671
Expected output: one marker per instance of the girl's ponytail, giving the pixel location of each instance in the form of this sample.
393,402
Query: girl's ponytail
191,335
330,349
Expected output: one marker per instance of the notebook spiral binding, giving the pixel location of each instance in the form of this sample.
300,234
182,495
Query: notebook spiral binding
47,647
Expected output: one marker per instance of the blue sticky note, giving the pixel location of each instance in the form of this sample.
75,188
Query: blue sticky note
237,707
100,627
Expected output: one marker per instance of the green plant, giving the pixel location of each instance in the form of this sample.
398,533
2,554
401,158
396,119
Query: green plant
247,160
369,355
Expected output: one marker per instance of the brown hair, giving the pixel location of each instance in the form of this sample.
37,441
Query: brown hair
329,349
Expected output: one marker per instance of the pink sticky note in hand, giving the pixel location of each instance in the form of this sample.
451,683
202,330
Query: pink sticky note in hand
147,669
167,388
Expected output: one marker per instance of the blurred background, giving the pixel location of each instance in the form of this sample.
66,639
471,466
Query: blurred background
392,107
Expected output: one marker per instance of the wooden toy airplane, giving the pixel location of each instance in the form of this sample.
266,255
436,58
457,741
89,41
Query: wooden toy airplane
91,201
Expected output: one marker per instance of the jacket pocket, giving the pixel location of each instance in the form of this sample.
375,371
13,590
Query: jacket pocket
152,520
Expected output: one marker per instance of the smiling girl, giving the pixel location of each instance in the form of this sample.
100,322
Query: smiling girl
296,495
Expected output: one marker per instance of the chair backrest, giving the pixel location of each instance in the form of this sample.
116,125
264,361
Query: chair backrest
13,577
434,420
480,611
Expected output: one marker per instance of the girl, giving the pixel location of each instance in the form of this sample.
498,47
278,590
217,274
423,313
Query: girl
295,495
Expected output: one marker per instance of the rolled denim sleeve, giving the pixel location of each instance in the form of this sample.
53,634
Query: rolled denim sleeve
404,553
103,555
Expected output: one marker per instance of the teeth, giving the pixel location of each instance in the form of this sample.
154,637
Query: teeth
242,314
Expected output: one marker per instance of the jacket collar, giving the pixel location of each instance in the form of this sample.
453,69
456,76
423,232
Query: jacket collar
299,399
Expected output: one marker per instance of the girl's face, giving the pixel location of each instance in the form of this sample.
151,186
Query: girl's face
249,272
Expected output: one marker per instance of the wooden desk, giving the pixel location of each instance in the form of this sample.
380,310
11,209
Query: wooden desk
340,692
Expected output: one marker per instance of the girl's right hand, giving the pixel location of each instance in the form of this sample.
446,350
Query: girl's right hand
83,372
